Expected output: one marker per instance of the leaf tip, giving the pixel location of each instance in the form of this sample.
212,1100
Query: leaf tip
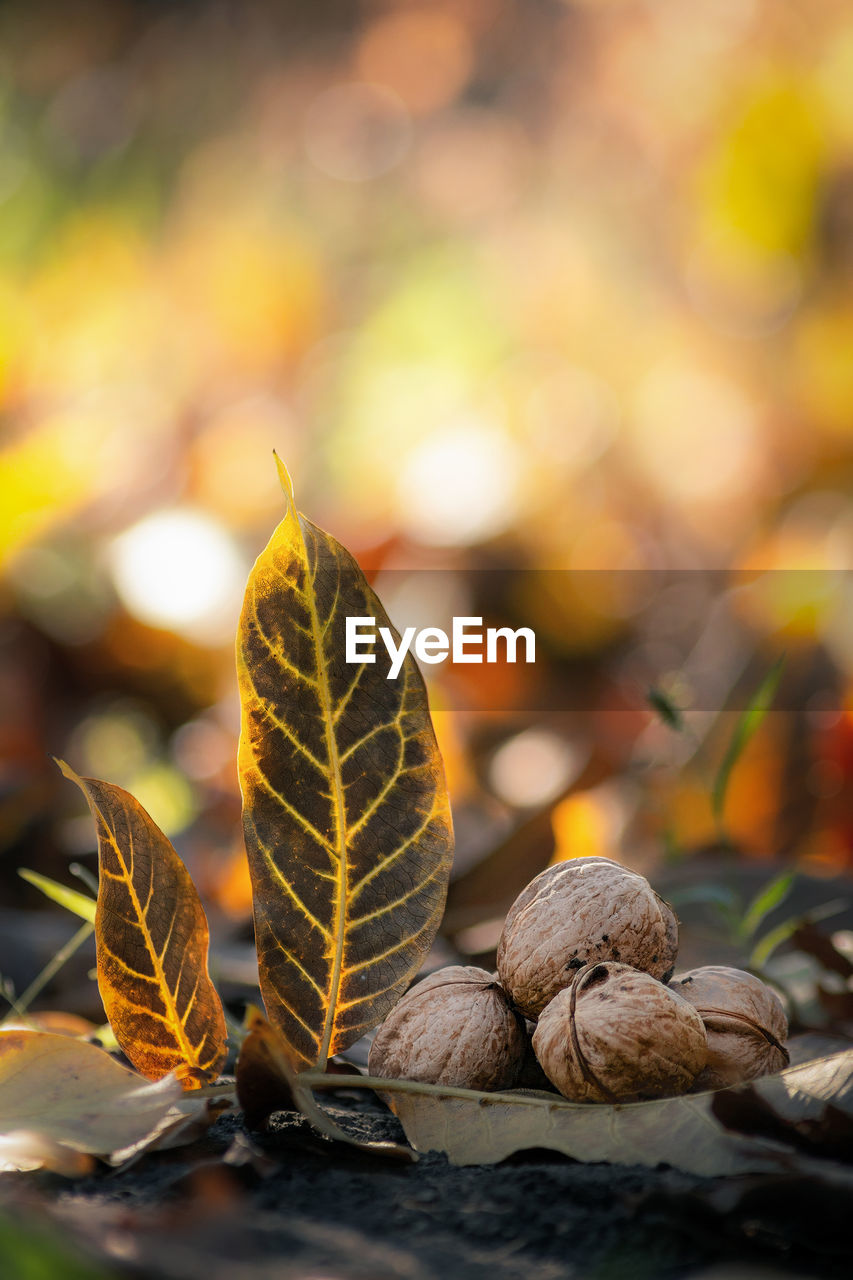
253,1018
284,477
68,772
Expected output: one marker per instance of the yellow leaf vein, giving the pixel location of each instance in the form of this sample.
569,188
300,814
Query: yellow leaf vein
350,690
387,787
190,1002
276,652
291,892
141,977
300,968
391,906
391,857
283,727
296,1018
379,728
368,996
398,946
294,813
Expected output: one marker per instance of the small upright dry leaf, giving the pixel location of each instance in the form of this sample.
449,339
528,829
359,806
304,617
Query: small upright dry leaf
264,1074
152,938
61,1097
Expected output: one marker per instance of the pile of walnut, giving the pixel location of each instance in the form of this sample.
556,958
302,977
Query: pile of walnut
584,992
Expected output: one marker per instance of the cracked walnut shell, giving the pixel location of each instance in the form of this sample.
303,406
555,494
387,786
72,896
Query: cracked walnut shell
744,1022
576,913
455,1028
618,1035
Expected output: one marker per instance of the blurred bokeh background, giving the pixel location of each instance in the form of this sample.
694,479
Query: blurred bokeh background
557,287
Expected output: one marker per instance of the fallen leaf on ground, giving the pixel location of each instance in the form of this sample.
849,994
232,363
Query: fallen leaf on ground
63,1099
684,1132
266,1083
53,1020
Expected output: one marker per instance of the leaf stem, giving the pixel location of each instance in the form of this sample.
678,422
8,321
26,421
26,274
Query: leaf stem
322,1080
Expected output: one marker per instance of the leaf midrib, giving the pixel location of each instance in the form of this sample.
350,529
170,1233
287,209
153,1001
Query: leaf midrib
340,824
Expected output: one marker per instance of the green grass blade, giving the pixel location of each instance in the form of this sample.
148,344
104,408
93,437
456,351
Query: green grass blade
53,966
71,899
746,726
763,950
765,947
764,902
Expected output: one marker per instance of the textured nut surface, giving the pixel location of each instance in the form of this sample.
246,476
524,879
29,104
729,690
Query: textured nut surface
744,1022
578,912
619,1035
455,1028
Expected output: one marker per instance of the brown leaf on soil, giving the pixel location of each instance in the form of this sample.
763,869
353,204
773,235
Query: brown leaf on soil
63,1100
263,1073
266,1082
828,1134
151,938
685,1132
345,808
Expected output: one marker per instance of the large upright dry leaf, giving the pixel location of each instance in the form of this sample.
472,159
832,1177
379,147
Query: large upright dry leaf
59,1095
345,808
151,938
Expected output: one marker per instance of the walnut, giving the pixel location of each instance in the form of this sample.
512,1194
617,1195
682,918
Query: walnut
744,1022
618,1035
455,1028
577,912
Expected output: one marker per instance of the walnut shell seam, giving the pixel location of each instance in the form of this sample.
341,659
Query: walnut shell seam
754,1027
581,982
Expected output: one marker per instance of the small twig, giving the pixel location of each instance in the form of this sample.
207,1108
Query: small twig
7,992
53,966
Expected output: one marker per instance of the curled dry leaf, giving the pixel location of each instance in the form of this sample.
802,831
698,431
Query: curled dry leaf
62,1099
345,808
266,1082
151,938
264,1074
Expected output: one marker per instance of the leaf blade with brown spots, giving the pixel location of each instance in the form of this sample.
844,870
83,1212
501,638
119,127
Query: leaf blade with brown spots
345,808
151,939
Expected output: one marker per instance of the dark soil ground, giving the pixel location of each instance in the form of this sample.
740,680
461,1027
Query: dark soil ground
291,1205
